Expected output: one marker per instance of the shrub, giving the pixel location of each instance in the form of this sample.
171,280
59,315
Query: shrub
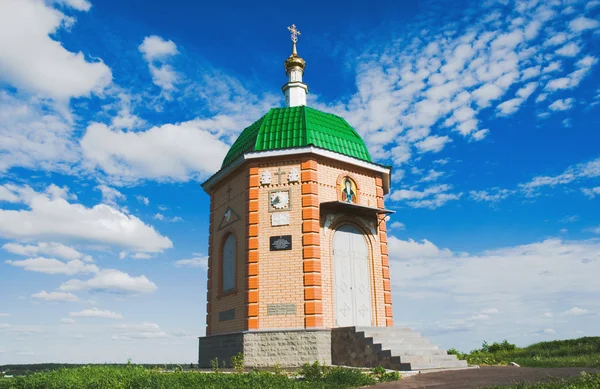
384,376
215,365
312,372
237,361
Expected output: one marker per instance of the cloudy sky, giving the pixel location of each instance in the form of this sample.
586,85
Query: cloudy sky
113,112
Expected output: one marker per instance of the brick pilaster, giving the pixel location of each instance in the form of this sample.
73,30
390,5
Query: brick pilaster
385,263
252,252
211,258
311,245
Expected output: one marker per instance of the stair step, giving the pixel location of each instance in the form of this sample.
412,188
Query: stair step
438,365
390,334
401,341
414,335
399,349
383,329
419,351
427,358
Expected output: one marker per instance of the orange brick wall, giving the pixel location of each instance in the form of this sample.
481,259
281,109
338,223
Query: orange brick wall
280,272
233,193
329,173
302,276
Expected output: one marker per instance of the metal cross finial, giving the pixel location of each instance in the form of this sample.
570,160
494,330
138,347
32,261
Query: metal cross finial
294,32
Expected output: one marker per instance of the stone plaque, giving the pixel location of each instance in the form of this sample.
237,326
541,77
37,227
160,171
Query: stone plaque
280,219
227,315
282,242
281,309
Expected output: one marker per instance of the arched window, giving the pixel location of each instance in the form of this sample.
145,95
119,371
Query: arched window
229,254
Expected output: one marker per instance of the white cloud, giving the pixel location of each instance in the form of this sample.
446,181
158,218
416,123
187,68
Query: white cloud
490,311
79,5
110,195
200,261
398,226
26,330
95,312
44,248
573,173
549,272
492,196
141,256
411,249
582,24
7,194
55,296
576,311
591,192
57,218
556,39
34,135
432,175
432,143
509,106
156,48
595,230
143,200
432,197
67,320
481,134
569,50
54,266
31,60
111,280
2,314
167,153
164,76
139,331
562,104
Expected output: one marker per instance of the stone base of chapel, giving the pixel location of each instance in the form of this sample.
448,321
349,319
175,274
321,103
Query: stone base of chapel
390,347
289,348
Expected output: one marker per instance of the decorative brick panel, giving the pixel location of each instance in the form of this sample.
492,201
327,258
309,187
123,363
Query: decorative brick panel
385,269
313,293
313,266
312,279
311,242
313,308
252,281
311,226
310,213
313,321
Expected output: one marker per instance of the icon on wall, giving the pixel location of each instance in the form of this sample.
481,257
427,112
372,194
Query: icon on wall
348,188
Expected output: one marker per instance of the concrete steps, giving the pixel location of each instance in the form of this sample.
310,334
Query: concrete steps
403,349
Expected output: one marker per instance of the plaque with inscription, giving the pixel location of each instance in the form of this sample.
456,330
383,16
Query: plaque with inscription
282,242
280,219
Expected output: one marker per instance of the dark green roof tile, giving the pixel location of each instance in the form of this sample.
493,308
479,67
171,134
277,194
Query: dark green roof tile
285,128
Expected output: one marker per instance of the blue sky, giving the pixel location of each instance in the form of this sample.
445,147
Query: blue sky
113,113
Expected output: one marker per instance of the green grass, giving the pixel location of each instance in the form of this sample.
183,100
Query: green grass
582,352
139,377
584,381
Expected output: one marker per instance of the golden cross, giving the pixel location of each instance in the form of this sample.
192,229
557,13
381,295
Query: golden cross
294,32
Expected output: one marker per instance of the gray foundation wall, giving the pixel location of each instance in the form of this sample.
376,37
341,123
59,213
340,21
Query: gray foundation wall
263,349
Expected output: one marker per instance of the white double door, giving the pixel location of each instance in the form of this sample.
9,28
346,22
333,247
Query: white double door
351,278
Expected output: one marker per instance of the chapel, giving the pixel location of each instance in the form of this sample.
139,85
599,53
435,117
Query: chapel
298,237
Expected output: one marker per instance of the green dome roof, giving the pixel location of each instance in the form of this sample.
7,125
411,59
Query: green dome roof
285,128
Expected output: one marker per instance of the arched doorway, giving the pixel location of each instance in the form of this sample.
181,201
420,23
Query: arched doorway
351,277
